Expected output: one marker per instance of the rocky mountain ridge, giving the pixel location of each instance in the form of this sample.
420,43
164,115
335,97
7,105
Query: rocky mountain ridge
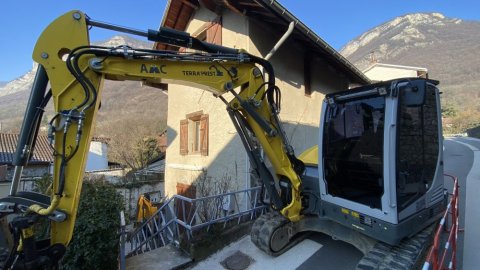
121,101
24,82
448,47
391,39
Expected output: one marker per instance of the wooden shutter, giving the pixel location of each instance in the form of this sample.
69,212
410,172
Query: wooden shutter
183,137
214,32
186,190
204,135
184,210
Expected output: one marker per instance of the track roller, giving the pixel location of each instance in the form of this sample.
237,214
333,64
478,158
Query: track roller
409,254
274,234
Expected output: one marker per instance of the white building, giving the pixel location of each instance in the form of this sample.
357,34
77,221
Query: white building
97,155
385,72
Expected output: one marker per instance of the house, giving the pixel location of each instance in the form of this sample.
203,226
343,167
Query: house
202,141
39,165
385,72
42,160
97,155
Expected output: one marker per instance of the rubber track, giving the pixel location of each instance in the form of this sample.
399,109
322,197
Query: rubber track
409,254
263,228
4,253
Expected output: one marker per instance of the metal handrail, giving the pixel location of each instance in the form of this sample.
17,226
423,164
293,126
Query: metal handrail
179,217
434,252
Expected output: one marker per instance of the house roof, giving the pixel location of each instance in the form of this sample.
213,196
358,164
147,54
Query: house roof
104,140
179,12
42,153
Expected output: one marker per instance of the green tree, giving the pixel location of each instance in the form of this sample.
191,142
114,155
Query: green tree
448,110
95,240
42,185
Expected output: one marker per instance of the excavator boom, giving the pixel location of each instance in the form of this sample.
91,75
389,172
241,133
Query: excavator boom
76,71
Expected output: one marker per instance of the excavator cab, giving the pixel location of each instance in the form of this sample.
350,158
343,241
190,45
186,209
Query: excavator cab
381,158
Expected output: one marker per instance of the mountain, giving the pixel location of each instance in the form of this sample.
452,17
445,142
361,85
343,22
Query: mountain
448,47
20,84
120,100
24,82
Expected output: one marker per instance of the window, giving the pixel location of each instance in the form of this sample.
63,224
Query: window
353,150
418,148
194,134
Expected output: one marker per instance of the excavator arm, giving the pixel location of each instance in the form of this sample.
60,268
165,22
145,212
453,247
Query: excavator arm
145,208
76,71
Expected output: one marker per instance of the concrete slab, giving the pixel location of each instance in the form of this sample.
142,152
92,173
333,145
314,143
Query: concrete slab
164,258
261,261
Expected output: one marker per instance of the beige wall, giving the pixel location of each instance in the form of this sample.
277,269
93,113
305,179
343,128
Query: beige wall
226,154
300,113
379,73
222,158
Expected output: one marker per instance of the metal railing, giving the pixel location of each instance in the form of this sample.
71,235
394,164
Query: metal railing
181,219
436,257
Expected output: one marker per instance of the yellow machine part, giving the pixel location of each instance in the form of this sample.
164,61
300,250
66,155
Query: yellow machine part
145,209
310,156
69,32
58,40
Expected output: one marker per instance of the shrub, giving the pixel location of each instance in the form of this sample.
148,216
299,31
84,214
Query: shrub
95,240
42,185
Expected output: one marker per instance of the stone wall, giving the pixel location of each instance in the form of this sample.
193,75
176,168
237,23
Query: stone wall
132,186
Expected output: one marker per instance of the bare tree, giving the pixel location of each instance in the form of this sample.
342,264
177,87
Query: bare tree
133,141
213,208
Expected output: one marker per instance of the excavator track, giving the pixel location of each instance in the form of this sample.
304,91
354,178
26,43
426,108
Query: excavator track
272,234
4,253
409,254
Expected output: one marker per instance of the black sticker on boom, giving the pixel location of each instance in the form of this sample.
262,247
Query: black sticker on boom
212,71
153,69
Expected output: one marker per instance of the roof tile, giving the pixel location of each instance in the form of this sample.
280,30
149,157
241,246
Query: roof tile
8,142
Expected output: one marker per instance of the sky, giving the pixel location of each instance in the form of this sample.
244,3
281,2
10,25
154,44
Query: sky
337,22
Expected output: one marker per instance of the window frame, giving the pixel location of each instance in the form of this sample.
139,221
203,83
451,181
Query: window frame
194,134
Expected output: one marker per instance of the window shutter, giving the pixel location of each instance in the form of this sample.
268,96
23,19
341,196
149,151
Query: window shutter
183,137
204,135
214,33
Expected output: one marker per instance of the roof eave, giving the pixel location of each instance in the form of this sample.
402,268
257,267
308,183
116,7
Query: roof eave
288,16
352,72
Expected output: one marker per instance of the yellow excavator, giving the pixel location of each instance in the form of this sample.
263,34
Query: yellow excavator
375,179
145,208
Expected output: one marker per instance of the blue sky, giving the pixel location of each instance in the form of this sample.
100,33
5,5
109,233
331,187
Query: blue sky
336,22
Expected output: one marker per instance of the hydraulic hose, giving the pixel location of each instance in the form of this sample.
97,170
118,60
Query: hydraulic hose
45,211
